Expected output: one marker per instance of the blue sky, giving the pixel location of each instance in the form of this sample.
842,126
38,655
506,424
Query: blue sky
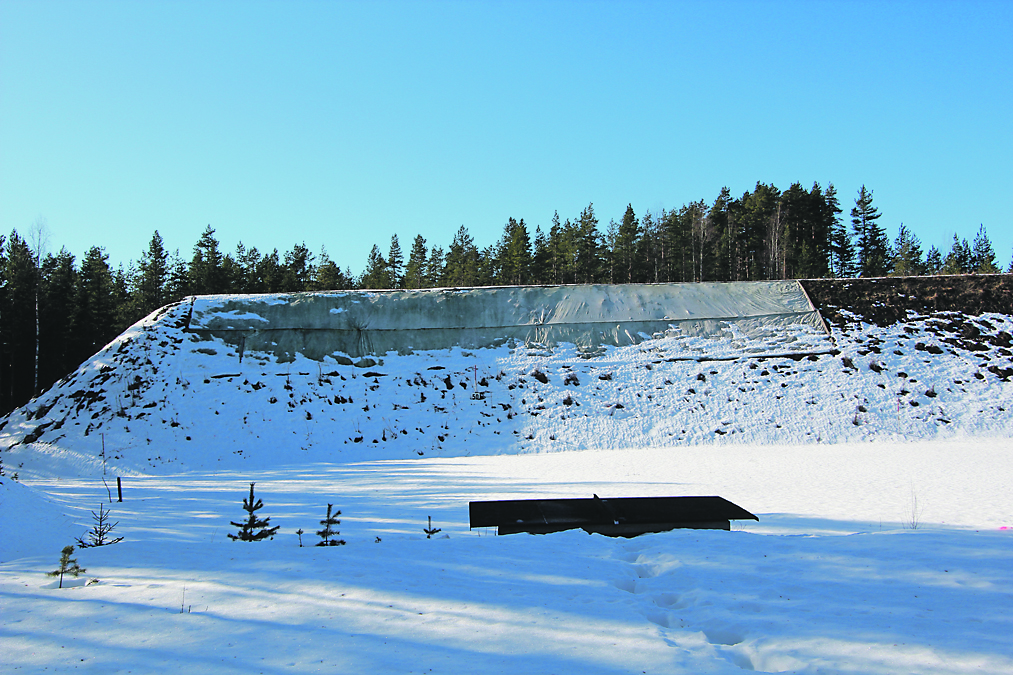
341,124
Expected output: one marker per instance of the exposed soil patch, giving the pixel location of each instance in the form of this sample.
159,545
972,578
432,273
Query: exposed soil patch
886,301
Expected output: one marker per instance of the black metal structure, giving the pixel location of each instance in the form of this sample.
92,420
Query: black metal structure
622,517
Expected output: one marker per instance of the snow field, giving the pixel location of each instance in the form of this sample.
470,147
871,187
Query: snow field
829,580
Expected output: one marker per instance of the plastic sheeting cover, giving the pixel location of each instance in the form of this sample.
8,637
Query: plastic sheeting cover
360,323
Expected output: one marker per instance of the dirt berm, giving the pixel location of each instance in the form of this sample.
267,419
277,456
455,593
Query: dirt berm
885,301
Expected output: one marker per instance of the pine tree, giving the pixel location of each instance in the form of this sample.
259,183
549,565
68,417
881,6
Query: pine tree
395,263
907,254
329,276
982,254
377,273
254,529
298,269
462,260
871,240
327,534
513,254
68,565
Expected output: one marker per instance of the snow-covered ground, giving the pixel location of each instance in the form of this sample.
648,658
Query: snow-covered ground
880,473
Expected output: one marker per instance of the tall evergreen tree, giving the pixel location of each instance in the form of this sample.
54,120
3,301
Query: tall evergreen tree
395,263
57,321
205,271
907,254
933,261
415,270
722,223
587,245
514,253
540,257
299,270
153,277
624,251
841,254
96,302
17,324
462,260
960,259
329,276
436,268
377,272
872,244
178,285
982,254
759,218
270,273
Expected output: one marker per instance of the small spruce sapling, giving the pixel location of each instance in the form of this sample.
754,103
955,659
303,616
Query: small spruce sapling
68,565
300,533
327,534
254,529
99,534
429,530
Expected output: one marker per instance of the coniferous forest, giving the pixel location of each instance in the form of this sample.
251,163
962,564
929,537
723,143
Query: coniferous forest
56,311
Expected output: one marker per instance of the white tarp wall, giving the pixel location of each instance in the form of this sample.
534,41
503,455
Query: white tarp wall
360,323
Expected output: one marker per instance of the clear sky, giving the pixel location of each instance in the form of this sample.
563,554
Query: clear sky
341,124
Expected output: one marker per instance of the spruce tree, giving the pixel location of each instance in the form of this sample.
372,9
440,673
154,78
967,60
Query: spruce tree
153,277
68,565
415,271
254,529
205,274
327,534
959,259
871,240
436,268
99,534
933,261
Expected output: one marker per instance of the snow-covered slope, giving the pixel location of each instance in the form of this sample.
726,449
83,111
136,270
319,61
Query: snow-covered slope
161,399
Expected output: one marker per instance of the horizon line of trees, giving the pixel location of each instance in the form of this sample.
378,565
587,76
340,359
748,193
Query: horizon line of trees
56,313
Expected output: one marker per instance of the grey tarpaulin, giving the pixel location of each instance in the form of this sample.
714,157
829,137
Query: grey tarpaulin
360,323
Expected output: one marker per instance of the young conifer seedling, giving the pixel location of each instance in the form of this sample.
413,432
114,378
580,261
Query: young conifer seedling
327,535
99,534
68,565
254,529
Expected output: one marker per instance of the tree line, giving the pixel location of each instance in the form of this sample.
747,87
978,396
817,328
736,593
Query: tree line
55,312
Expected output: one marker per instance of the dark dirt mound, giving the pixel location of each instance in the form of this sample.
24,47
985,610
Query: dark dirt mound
950,307
886,301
